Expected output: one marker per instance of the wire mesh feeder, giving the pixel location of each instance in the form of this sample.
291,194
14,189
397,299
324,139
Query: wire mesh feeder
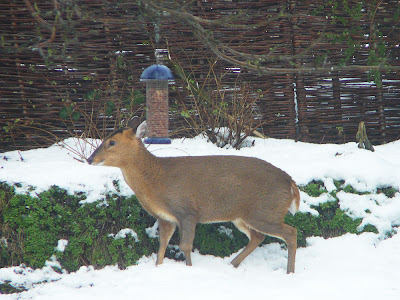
157,78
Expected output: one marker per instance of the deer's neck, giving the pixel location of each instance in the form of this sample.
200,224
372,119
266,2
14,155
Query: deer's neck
143,173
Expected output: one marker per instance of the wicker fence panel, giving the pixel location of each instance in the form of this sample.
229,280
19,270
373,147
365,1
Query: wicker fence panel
81,59
277,104
331,105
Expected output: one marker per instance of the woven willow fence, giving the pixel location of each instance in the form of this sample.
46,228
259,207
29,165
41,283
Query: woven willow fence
72,67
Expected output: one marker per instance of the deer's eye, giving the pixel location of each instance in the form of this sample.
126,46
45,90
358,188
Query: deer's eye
112,143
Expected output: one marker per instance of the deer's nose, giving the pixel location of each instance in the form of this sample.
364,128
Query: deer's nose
89,160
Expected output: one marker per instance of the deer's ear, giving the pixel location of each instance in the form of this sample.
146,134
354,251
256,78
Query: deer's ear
141,130
133,123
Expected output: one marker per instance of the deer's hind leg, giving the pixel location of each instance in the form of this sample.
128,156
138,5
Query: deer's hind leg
255,238
282,231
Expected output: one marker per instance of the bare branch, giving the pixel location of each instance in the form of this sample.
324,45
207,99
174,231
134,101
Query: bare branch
251,61
35,14
223,21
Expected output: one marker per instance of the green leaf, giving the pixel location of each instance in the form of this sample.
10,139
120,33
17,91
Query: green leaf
75,116
64,113
110,107
138,97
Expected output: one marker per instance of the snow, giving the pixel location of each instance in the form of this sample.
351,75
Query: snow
123,233
152,232
352,266
61,245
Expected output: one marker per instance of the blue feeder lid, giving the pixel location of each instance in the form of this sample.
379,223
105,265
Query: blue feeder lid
158,72
157,140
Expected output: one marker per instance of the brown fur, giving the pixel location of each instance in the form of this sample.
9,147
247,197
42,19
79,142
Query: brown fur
184,191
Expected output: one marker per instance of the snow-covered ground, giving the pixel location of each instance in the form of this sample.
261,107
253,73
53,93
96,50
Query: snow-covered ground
362,266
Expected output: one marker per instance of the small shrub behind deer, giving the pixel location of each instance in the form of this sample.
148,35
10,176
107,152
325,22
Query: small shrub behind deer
227,115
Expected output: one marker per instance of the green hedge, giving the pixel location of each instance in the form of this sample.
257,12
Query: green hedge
32,226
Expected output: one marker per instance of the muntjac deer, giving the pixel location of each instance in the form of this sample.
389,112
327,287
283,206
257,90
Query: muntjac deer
184,191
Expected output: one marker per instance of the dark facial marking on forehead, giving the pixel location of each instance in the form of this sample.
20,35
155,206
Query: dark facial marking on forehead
115,132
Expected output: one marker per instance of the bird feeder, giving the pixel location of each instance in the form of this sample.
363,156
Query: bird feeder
157,78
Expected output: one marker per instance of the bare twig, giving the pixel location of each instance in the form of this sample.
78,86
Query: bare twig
216,108
36,14
251,61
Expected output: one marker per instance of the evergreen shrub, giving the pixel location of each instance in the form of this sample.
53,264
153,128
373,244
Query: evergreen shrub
32,226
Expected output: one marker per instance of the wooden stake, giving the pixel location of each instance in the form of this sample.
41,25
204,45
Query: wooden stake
362,138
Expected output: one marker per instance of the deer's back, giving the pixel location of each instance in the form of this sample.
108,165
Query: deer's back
220,188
